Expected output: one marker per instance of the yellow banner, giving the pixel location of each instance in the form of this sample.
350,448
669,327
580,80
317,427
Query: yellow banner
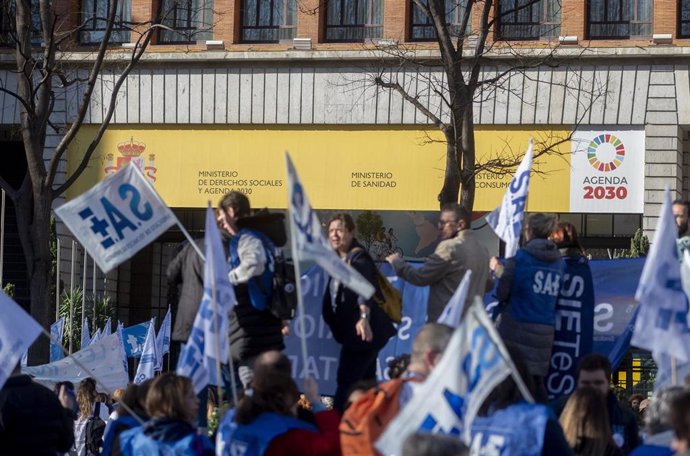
345,168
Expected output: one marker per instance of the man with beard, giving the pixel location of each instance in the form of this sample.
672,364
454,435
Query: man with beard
680,213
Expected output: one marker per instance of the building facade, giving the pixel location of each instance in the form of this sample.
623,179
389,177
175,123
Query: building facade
230,85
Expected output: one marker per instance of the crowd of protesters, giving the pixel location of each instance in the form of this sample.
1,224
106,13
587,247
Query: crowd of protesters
161,416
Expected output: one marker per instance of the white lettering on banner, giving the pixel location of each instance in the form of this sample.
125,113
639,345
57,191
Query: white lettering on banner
132,341
404,328
310,326
493,446
603,312
568,335
318,367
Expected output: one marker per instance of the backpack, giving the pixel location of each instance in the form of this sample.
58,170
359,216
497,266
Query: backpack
95,427
389,299
282,301
366,420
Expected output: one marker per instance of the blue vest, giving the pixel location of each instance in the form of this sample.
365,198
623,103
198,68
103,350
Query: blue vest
517,430
254,438
535,288
135,443
260,287
110,437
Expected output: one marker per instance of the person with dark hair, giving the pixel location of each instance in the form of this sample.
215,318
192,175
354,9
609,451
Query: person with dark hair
585,425
681,211
594,371
680,419
32,419
253,328
458,252
173,408
658,424
131,413
360,326
398,365
89,408
265,423
68,398
528,288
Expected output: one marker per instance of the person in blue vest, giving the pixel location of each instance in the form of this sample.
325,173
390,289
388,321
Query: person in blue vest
507,425
253,328
528,288
128,417
658,426
265,421
173,408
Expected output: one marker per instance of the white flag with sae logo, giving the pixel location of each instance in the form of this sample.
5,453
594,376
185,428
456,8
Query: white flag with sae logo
116,218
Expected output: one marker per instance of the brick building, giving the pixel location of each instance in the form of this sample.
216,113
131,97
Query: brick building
231,84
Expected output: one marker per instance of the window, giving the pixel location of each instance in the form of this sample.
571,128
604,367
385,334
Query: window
268,21
94,18
354,20
529,19
422,29
7,24
190,20
615,19
684,19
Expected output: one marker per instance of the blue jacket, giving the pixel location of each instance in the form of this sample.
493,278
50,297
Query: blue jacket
254,438
164,436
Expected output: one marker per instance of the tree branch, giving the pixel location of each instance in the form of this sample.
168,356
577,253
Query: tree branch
413,100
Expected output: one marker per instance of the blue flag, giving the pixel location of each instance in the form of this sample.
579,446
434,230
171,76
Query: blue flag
17,332
149,357
662,326
56,329
85,334
208,342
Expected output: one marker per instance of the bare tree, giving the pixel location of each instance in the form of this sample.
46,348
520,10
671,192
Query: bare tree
467,48
43,73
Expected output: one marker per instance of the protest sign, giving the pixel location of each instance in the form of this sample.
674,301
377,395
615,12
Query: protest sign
133,338
116,218
102,361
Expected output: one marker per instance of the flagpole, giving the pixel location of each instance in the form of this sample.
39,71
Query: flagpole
83,288
57,279
214,303
71,299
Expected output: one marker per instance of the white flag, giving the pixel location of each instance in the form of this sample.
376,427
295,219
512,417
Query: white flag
56,330
102,361
121,338
208,341
453,311
85,334
473,364
96,337
107,328
149,356
309,243
116,218
506,220
163,339
662,323
17,332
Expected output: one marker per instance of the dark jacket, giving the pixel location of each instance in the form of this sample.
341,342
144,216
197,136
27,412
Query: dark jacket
187,270
252,331
529,288
343,316
33,420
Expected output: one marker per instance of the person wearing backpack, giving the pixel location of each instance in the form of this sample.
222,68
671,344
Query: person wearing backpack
90,424
361,327
253,328
367,418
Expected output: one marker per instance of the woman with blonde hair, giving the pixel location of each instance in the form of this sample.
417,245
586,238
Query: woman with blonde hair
90,409
585,424
173,407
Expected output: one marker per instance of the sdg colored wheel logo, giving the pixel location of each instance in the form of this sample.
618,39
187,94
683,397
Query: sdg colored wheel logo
604,141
